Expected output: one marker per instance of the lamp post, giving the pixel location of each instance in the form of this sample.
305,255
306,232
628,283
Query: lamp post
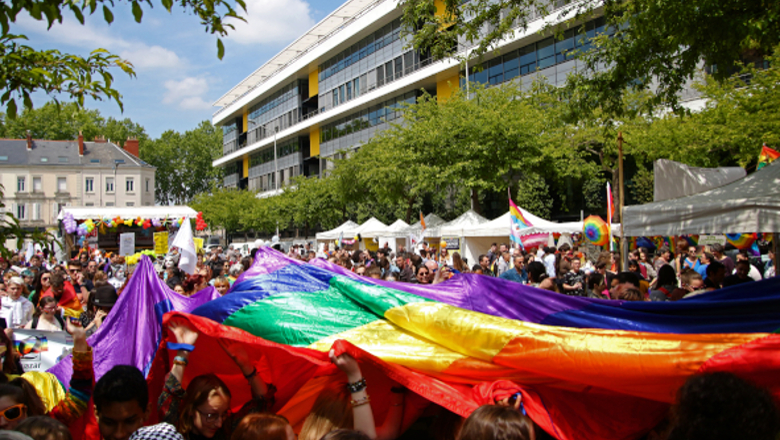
276,162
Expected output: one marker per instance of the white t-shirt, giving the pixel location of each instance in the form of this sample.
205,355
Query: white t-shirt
18,312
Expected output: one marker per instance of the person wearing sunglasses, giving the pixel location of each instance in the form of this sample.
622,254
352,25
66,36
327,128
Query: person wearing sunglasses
64,293
19,398
423,275
41,284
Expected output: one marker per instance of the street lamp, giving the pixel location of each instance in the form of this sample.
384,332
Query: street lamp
276,162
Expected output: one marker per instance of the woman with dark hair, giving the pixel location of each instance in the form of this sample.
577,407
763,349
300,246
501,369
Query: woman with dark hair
491,422
203,410
40,285
666,283
46,316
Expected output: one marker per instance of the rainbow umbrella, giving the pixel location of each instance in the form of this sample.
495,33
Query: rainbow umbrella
596,230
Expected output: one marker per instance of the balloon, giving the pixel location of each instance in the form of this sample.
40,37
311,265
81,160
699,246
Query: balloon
443,244
156,222
69,223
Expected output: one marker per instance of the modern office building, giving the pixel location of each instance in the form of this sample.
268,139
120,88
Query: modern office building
39,177
345,79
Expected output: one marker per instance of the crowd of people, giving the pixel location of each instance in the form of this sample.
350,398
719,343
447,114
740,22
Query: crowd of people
77,296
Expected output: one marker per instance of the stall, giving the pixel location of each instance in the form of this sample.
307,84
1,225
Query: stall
337,232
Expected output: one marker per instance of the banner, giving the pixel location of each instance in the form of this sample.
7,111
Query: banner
453,244
41,350
161,243
127,244
705,240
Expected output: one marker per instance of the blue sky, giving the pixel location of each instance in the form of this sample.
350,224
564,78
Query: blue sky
178,73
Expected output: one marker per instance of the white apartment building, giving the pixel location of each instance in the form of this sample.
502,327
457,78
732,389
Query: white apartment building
39,177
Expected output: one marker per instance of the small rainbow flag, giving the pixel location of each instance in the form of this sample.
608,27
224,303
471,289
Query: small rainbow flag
741,241
767,156
517,221
32,345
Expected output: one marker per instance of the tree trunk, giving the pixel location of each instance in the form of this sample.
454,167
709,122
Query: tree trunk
475,201
409,204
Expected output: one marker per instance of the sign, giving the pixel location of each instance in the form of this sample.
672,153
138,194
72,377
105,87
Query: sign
706,240
453,244
198,244
127,244
41,350
161,243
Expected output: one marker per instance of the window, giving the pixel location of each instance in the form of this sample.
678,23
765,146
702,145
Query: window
399,68
44,159
89,204
37,184
62,159
20,184
94,161
62,184
129,185
380,76
89,185
335,97
389,71
130,204
147,184
349,91
21,211
356,87
109,185
110,204
3,158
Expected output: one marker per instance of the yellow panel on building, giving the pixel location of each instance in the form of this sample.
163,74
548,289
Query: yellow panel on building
314,141
441,9
246,166
314,83
246,120
446,87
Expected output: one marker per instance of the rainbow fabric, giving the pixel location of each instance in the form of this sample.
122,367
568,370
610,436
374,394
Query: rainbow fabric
587,368
596,230
517,221
741,241
767,156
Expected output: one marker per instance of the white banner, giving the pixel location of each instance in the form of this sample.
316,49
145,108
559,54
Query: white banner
41,350
127,244
705,240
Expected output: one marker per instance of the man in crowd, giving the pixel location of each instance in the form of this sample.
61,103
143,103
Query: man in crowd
121,400
80,284
755,274
502,264
741,275
574,280
404,265
64,293
665,257
492,253
704,262
716,272
549,261
516,273
623,282
484,263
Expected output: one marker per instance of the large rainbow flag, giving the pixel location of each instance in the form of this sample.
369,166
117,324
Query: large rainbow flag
587,368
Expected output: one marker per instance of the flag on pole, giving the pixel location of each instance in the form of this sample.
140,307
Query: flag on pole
517,221
767,156
188,257
341,239
610,213
422,221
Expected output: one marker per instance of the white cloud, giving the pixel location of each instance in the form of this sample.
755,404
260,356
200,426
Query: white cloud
187,93
272,22
91,36
145,57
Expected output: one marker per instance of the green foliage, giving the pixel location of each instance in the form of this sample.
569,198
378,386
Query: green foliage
641,186
224,208
10,229
183,163
662,41
25,70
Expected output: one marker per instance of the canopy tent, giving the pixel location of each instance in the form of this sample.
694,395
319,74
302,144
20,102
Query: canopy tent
333,234
675,179
390,235
370,228
468,219
432,224
747,205
161,212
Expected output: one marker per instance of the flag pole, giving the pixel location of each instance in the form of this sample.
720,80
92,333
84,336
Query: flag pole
621,200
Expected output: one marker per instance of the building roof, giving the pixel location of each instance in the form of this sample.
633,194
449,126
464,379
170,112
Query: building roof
66,153
323,30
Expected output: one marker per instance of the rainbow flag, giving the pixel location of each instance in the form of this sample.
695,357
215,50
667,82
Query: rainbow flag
741,241
517,221
767,156
447,342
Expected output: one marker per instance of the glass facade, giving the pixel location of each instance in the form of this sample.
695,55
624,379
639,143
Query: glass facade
387,111
360,50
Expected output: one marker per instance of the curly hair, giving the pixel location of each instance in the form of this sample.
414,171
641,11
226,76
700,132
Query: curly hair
720,406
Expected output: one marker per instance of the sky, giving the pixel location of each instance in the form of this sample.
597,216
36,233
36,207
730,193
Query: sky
178,73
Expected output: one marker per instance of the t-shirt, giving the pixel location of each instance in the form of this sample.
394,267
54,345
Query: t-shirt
572,278
512,275
17,312
729,264
702,270
733,280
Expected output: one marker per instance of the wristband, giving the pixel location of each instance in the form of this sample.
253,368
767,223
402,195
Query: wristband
359,402
179,346
358,386
252,374
180,360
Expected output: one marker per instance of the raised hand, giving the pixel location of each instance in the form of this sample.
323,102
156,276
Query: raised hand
79,334
184,334
347,364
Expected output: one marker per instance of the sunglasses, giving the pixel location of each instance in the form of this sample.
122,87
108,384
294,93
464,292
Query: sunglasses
13,412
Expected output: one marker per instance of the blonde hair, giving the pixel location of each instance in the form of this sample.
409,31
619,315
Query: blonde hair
331,411
220,281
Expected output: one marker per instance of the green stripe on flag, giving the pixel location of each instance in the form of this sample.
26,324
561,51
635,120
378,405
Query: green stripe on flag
378,299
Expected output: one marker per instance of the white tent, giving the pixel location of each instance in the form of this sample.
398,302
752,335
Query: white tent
333,234
432,224
161,212
674,179
467,220
747,205
391,235
370,228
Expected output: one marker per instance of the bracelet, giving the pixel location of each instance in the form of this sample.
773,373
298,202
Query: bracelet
359,402
179,346
358,386
252,374
180,360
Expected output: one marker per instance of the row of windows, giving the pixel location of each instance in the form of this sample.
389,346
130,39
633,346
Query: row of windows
267,182
363,48
89,184
229,131
389,110
267,155
287,93
537,56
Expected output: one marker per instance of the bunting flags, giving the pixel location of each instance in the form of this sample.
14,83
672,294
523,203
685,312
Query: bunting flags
767,156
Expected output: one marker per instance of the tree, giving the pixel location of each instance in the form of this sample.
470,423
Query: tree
25,70
10,229
654,45
183,163
224,208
